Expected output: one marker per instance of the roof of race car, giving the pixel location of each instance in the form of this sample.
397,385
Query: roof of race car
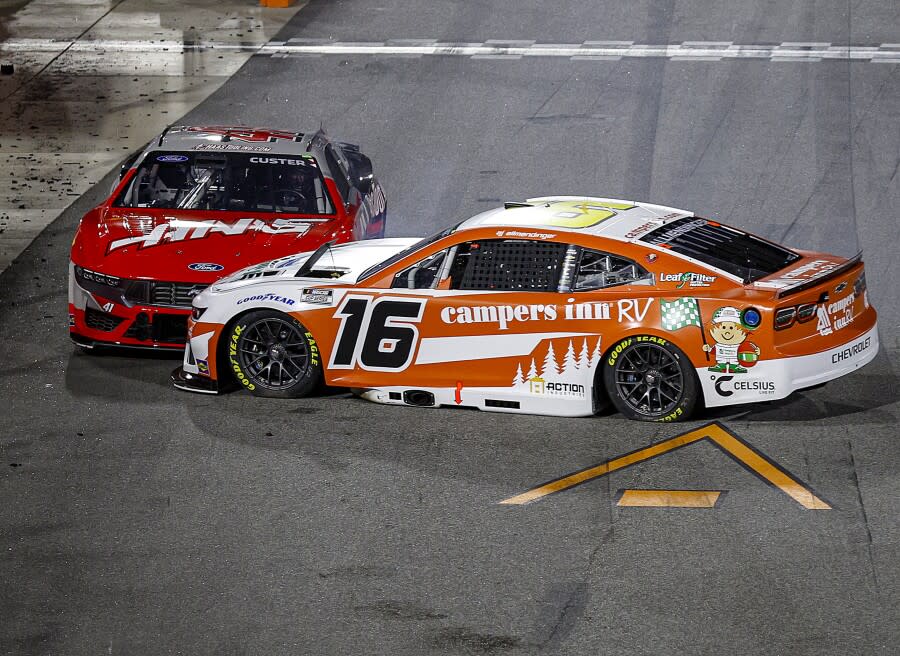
239,139
608,217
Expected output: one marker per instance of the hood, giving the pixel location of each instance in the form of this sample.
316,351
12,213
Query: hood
340,264
201,247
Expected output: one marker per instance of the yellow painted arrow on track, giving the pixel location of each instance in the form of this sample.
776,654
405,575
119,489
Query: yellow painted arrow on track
748,457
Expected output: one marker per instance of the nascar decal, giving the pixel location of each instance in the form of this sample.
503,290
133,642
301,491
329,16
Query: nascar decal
377,334
316,295
177,230
554,379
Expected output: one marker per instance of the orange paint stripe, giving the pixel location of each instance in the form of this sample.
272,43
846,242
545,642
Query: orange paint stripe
604,468
669,498
762,466
731,444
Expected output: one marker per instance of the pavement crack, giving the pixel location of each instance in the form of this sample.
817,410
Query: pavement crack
799,213
712,137
855,479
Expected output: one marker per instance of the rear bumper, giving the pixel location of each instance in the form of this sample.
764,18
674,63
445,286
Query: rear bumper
769,380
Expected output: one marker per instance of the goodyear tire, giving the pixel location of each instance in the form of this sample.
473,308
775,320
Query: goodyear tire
272,354
650,379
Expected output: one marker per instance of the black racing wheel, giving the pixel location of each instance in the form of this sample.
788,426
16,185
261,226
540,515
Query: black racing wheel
650,379
272,354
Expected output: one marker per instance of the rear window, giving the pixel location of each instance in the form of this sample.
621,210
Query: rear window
722,247
228,181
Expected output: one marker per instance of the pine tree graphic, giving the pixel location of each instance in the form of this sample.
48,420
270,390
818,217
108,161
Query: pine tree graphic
570,362
584,357
518,380
597,353
550,368
553,379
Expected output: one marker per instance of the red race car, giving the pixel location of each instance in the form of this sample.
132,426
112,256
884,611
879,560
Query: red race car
199,203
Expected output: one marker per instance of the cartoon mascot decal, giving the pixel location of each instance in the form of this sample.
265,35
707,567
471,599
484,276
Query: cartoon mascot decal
732,352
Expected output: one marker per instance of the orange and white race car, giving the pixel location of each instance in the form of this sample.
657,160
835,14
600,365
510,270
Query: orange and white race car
553,306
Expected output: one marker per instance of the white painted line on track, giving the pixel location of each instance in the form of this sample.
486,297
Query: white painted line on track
494,48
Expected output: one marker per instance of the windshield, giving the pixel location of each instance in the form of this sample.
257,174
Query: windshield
228,181
381,266
722,247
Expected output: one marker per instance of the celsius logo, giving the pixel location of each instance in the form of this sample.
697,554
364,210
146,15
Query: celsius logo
719,390
764,387
205,266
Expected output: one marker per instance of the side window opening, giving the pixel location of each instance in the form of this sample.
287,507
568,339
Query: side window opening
337,170
507,265
421,275
598,270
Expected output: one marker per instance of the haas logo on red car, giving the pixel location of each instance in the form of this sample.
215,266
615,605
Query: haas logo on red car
173,231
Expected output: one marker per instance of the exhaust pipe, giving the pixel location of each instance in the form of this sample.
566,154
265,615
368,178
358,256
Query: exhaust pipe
418,397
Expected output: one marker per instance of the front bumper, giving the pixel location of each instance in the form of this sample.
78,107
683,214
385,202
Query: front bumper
95,320
134,327
184,380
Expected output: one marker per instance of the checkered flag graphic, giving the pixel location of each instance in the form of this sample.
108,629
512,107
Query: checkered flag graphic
680,313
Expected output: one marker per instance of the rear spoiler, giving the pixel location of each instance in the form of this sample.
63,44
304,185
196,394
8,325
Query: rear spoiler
821,277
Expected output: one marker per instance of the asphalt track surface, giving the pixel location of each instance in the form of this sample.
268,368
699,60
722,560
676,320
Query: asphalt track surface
139,520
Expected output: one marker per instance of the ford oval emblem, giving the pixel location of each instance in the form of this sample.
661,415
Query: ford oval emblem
205,266
172,158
